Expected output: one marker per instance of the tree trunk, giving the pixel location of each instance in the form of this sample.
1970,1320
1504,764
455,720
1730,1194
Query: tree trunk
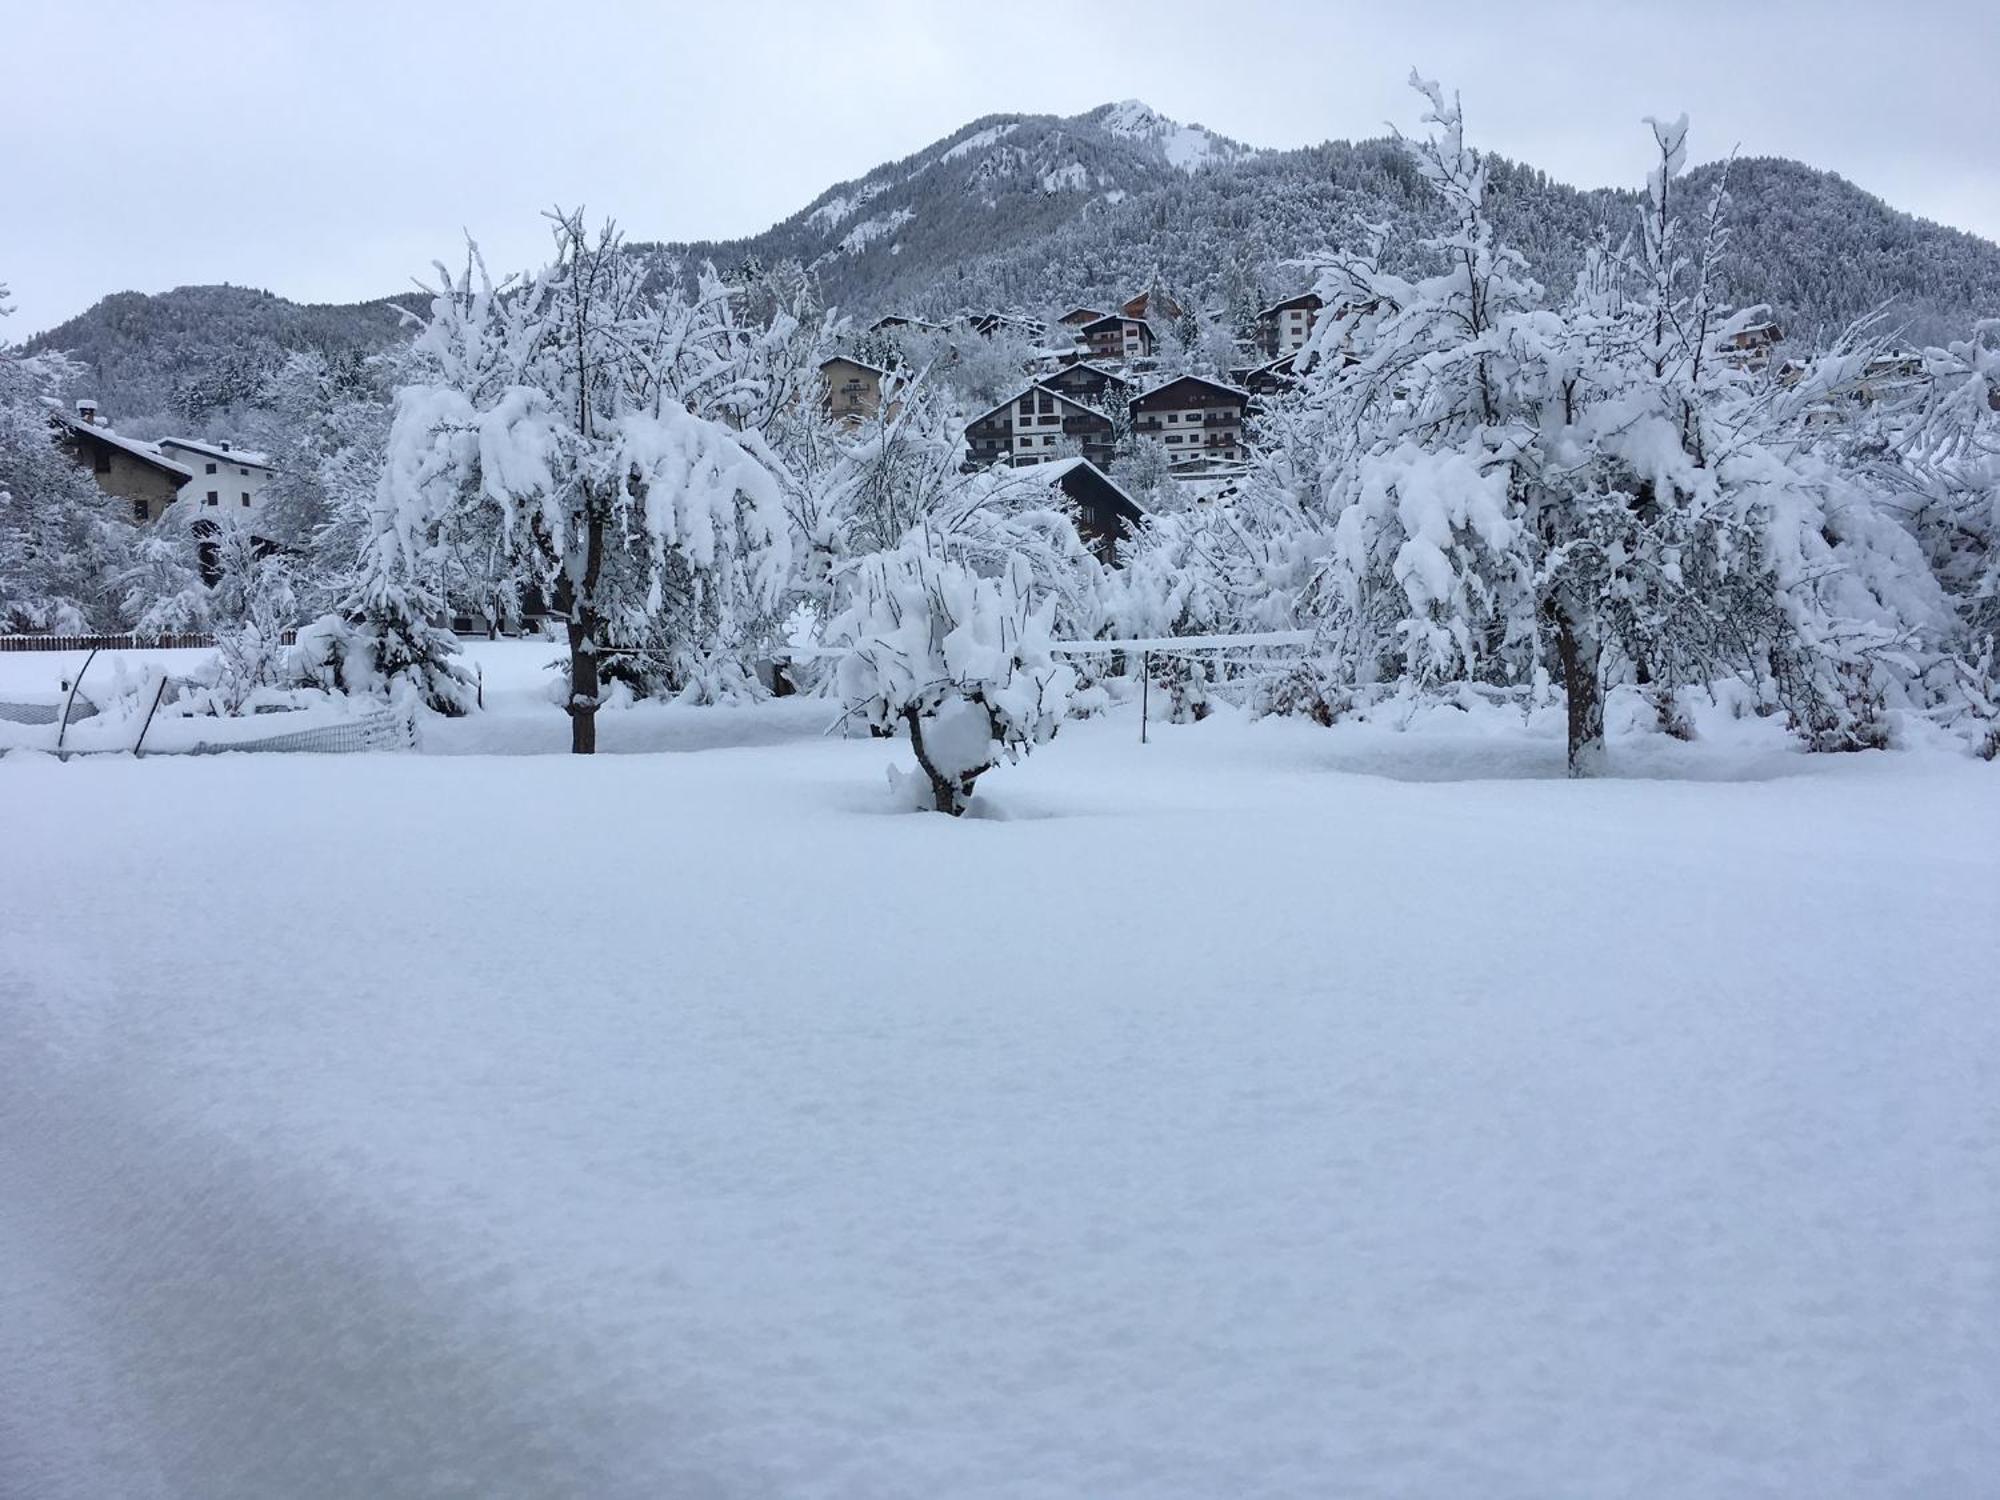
944,791
584,624
1583,690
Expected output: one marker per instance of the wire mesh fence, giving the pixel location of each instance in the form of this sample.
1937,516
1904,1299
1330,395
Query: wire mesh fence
385,729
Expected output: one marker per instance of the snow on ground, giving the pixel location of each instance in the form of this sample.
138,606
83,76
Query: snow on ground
1265,1111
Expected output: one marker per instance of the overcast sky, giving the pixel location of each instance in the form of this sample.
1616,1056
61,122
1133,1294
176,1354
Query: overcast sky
331,151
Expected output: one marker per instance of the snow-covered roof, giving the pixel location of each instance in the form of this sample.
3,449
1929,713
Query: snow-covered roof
1214,385
1054,473
1115,318
1304,299
1027,390
245,456
859,364
146,453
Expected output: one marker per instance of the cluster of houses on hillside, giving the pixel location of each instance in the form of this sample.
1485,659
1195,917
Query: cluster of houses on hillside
1093,387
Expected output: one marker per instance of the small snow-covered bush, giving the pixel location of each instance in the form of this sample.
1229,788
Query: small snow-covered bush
384,657
963,661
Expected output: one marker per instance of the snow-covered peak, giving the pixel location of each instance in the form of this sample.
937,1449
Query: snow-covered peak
1188,147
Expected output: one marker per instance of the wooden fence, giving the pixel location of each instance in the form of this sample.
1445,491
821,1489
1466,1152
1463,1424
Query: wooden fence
184,641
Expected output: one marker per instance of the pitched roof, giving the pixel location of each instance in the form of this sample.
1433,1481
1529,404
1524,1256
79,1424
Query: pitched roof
146,453
848,359
1028,389
1304,299
1057,471
1214,385
1116,318
244,456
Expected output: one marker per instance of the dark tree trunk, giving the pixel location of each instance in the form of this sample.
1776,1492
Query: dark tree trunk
944,791
584,640
1583,690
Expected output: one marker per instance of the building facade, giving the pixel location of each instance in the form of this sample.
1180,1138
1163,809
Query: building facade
1193,418
1284,327
852,389
136,473
1039,425
1119,339
222,477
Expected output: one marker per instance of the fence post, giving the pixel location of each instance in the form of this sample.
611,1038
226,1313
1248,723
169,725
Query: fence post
70,700
1145,690
160,692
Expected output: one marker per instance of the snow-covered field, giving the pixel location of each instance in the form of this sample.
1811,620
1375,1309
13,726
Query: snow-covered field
1267,1111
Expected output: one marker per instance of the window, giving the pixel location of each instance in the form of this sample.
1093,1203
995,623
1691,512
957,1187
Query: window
213,498
139,512
246,497
210,469
244,473
101,460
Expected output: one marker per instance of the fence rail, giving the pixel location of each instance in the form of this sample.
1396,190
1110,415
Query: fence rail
186,640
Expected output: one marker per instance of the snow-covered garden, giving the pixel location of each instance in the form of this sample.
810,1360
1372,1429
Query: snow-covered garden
1267,1110
1512,1014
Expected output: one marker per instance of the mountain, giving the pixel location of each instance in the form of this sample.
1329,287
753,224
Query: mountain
1040,212
200,349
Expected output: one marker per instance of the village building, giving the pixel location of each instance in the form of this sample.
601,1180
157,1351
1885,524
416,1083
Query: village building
1269,378
894,322
1750,348
1076,317
224,477
1284,327
1105,514
1153,304
137,473
1090,383
1193,418
1039,425
852,389
1119,339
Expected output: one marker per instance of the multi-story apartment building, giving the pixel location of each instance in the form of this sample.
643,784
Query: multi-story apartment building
1039,425
1284,327
1118,338
1193,418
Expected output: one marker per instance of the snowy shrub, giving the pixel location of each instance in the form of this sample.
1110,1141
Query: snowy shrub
962,660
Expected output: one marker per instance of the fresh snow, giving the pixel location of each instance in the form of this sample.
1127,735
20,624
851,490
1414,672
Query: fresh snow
1187,147
1263,1111
864,234
979,140
1073,178
832,214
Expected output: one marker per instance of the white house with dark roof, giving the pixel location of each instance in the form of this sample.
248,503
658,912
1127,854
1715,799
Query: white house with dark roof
221,476
1284,327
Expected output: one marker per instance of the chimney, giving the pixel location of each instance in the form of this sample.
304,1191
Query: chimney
224,445
86,412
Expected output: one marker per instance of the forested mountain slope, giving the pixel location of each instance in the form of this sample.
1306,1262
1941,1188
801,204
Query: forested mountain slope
1039,212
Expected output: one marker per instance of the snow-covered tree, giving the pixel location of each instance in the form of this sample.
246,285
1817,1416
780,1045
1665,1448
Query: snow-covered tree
592,427
61,547
1589,492
962,660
